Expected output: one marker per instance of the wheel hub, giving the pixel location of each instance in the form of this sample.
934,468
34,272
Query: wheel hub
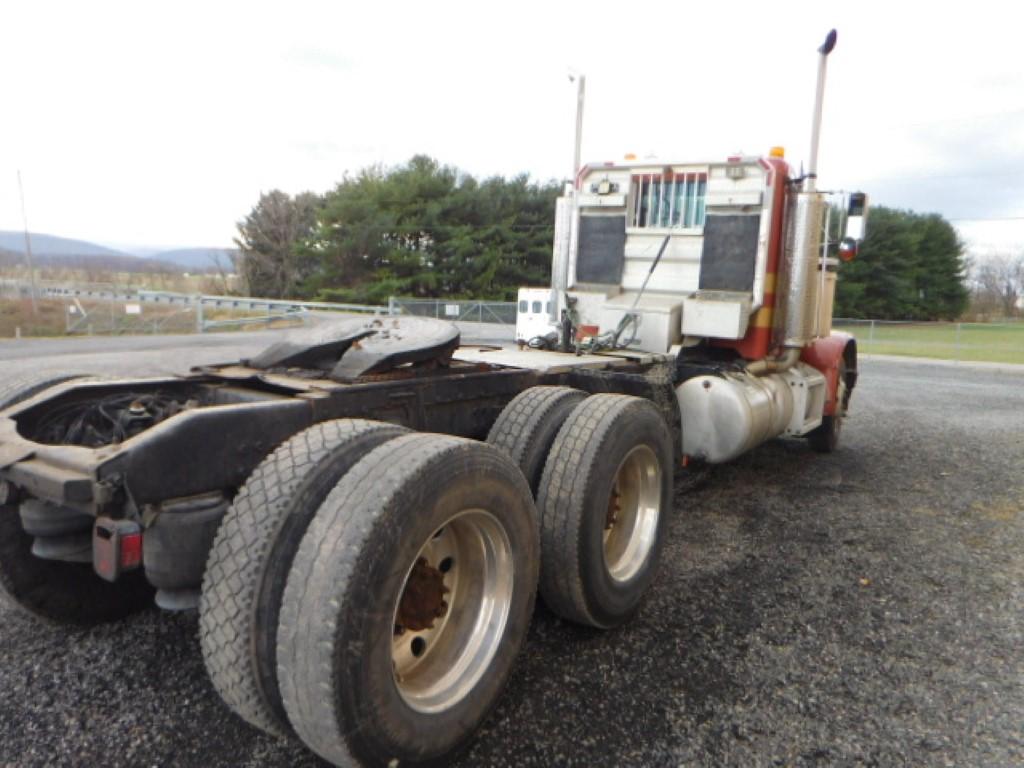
631,520
422,600
614,507
449,618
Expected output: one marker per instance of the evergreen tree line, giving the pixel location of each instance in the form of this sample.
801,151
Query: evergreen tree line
427,230
911,266
419,230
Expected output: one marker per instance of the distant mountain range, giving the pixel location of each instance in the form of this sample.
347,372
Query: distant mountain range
199,259
50,245
50,250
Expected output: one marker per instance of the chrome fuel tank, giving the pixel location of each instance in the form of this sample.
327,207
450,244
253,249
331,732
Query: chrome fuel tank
724,416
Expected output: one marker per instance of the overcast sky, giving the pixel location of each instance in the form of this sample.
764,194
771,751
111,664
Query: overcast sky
160,124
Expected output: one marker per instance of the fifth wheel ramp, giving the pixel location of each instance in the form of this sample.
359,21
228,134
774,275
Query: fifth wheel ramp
353,347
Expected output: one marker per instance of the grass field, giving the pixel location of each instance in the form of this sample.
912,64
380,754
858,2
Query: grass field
991,342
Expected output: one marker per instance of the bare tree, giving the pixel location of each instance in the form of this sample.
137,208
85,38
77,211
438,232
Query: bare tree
270,239
999,283
224,266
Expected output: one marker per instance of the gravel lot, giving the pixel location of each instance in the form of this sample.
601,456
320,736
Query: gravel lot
855,609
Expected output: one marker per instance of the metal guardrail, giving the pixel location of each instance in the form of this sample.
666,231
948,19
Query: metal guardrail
449,309
301,315
81,320
273,309
245,303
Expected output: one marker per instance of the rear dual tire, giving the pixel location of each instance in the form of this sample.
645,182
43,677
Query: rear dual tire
372,668
604,500
252,555
601,470
411,591
528,425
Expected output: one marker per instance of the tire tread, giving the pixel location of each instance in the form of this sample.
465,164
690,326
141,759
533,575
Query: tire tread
239,557
561,500
533,416
339,541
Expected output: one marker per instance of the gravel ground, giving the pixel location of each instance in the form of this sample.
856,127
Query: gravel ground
855,609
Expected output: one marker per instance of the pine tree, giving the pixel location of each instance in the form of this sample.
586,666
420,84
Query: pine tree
428,230
910,267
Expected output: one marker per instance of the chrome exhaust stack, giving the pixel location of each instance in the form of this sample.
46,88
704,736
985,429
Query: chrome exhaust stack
802,254
806,217
819,97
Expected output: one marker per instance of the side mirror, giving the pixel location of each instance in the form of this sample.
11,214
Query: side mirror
856,217
848,249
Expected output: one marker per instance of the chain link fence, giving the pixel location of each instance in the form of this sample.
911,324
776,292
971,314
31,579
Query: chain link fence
456,310
992,342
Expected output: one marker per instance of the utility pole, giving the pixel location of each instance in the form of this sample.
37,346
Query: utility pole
28,248
581,84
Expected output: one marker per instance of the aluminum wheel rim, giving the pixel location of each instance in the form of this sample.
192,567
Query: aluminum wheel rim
436,667
631,525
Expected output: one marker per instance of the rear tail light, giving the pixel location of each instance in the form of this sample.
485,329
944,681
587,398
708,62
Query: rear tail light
116,547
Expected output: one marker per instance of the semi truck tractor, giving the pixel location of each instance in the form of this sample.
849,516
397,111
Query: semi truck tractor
364,513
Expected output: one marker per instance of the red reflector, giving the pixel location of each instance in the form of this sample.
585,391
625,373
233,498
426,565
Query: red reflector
131,551
116,547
